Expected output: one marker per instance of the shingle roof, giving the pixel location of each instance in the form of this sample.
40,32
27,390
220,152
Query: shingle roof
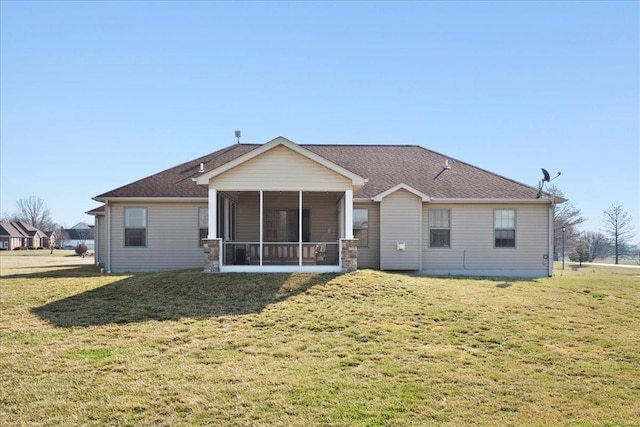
383,165
7,229
26,229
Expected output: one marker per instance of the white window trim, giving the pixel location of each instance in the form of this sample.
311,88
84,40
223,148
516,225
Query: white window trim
515,228
146,227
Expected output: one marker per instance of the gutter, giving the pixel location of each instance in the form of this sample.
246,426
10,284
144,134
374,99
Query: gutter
151,199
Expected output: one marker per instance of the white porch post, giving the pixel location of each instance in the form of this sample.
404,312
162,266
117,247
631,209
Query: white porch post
261,222
227,233
213,214
348,214
300,228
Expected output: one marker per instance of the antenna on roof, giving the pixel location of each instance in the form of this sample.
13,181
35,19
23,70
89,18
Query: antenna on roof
238,136
545,178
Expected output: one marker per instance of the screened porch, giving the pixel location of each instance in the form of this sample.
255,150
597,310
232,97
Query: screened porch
278,228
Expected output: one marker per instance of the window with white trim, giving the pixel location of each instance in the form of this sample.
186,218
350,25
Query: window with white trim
504,226
135,227
203,225
361,226
440,228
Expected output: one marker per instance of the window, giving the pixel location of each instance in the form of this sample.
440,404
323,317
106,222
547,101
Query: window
504,225
440,228
361,226
281,225
135,226
203,224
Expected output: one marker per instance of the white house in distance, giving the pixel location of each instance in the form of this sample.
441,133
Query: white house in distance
284,207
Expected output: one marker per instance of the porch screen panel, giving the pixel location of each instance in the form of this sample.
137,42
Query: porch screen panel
281,225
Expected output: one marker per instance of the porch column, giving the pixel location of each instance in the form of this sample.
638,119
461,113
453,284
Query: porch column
261,222
212,252
348,214
213,214
300,228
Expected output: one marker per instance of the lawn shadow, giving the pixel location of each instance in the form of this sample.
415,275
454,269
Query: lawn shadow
81,270
175,295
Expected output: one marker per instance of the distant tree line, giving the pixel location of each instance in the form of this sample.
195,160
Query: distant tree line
613,240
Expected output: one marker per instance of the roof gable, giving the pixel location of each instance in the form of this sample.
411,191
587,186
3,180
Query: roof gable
401,186
280,141
8,229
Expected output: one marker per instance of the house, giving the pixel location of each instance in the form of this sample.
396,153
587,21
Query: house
284,207
19,234
11,237
50,240
81,233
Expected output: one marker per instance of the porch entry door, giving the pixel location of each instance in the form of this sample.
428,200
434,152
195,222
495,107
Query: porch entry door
281,225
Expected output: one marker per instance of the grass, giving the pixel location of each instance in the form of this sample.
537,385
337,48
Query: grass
368,348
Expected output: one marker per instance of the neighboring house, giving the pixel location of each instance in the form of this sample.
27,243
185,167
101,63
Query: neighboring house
19,234
35,237
11,237
81,233
284,207
50,239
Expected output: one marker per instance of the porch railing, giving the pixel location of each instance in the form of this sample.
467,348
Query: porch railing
280,253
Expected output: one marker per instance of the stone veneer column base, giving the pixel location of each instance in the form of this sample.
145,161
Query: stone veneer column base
212,255
349,255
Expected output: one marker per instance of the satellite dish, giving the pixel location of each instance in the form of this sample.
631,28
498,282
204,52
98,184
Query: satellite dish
547,177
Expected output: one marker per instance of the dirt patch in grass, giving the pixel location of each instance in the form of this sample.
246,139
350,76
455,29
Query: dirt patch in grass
368,348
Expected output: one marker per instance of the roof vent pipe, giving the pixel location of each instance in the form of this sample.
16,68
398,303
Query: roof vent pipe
201,168
446,164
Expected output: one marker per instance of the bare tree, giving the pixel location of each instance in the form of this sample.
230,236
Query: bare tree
6,217
597,243
34,212
568,216
617,225
62,236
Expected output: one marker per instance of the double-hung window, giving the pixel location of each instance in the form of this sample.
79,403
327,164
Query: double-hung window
440,228
504,225
135,227
203,224
361,226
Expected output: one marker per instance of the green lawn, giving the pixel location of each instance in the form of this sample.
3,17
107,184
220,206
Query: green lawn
367,348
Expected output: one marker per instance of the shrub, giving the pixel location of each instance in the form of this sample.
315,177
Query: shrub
81,249
581,254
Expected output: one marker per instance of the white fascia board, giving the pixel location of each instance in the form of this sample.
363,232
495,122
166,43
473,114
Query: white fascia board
356,180
490,201
402,186
151,199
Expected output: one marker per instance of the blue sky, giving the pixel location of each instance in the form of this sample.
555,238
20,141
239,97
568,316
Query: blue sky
95,95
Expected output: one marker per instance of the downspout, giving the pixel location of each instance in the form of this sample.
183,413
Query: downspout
96,241
551,236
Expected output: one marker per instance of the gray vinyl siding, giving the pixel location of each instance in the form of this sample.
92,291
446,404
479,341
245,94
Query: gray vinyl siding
172,238
322,206
369,257
281,169
101,239
472,242
400,218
